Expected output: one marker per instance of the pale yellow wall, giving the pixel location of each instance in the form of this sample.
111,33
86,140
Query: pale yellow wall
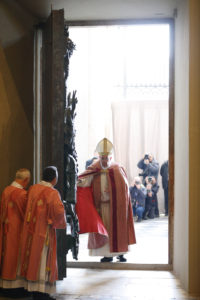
194,150
16,91
19,57
16,133
15,22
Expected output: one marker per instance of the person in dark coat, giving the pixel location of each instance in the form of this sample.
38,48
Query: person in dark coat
151,205
164,172
138,196
149,166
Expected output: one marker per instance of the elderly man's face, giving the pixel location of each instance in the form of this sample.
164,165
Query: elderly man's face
105,160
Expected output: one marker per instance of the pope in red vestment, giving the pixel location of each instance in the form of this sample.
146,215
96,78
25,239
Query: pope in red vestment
44,214
104,207
12,211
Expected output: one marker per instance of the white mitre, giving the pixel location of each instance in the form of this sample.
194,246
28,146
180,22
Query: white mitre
104,147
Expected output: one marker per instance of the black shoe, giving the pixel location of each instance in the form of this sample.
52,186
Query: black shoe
121,258
139,219
42,296
106,259
15,293
51,298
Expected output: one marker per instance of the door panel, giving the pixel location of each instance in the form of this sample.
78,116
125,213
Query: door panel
57,126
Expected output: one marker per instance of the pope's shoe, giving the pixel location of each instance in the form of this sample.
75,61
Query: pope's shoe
121,258
106,259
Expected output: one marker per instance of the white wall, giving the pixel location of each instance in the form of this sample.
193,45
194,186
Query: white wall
120,9
101,9
181,184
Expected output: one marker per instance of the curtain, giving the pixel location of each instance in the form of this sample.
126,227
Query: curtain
140,127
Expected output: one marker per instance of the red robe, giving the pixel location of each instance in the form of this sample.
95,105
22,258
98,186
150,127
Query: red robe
45,213
121,230
12,211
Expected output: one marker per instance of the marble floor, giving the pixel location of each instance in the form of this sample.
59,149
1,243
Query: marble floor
151,245
97,284
88,279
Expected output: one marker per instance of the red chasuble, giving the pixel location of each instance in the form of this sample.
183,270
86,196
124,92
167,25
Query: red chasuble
12,211
89,219
44,214
121,230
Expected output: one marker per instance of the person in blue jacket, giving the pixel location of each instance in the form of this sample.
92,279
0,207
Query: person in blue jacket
151,204
138,195
149,166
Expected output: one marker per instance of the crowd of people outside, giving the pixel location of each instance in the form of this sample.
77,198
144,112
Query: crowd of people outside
144,188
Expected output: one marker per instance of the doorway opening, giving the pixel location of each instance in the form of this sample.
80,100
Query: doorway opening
122,74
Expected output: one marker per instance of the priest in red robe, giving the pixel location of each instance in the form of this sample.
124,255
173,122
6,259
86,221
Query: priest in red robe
12,212
104,207
44,214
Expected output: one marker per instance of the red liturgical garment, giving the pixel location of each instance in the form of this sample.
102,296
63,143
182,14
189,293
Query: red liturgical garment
12,211
113,210
44,214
